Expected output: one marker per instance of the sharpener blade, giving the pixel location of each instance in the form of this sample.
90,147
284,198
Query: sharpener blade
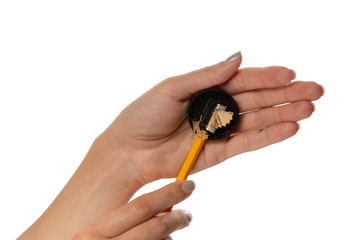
217,108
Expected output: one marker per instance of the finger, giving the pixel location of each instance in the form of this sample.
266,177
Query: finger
159,226
292,112
167,238
253,140
257,78
296,91
144,208
184,86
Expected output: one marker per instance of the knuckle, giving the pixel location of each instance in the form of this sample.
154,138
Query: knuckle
140,207
168,87
259,99
168,82
172,196
213,72
279,114
246,143
158,226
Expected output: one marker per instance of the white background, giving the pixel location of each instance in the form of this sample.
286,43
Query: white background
67,68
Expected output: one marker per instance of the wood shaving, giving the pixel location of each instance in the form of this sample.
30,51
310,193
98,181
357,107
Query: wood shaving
219,118
196,126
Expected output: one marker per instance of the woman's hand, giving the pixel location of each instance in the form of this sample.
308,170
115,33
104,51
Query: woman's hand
139,219
150,139
155,134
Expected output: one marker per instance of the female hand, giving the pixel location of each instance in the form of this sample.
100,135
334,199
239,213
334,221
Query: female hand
155,134
139,219
150,139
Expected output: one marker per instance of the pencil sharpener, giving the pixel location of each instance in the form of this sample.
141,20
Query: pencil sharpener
202,106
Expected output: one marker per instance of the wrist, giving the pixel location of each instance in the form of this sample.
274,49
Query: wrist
104,181
111,165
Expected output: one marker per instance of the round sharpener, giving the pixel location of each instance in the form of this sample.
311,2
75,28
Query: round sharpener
202,106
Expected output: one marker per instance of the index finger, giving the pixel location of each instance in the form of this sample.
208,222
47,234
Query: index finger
144,208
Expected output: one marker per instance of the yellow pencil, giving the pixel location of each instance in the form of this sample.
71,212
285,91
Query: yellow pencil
191,158
189,161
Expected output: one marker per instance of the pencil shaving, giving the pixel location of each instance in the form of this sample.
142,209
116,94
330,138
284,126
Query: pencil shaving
220,118
196,126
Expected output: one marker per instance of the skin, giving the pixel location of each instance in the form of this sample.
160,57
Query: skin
125,156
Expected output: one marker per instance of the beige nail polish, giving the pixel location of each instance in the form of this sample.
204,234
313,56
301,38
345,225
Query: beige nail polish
188,186
188,215
233,57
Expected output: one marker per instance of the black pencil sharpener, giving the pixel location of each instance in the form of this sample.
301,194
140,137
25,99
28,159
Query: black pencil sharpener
202,106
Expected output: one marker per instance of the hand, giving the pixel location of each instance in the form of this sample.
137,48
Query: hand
150,139
139,219
156,136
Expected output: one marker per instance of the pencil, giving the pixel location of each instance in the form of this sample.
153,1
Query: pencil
189,162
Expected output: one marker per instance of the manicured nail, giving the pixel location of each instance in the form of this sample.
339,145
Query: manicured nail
188,186
188,215
233,57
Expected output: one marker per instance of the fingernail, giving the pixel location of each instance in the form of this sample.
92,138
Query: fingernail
314,107
188,215
188,186
168,238
293,74
299,126
233,57
323,90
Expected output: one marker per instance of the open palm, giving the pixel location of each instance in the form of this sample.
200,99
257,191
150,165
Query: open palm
156,135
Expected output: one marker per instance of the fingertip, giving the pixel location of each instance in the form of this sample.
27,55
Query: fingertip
292,74
283,131
292,128
184,86
305,109
188,186
234,57
322,90
312,90
318,91
184,217
188,215
286,75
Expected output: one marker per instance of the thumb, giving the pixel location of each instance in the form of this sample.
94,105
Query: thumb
184,86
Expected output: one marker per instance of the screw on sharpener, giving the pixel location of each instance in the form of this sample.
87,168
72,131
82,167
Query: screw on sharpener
201,113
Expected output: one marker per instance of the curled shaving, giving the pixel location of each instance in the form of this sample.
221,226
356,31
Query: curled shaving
220,118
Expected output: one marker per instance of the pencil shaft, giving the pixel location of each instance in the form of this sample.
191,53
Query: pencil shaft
190,159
